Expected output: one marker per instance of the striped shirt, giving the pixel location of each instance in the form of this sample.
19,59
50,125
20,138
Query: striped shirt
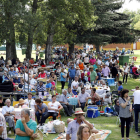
41,88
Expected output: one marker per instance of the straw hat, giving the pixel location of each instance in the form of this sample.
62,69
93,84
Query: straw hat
91,67
79,111
21,101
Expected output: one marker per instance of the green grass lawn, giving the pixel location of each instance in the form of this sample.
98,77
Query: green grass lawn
102,122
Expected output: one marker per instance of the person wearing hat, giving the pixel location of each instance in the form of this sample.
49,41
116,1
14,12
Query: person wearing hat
20,104
42,74
106,98
93,75
73,126
30,102
105,71
92,60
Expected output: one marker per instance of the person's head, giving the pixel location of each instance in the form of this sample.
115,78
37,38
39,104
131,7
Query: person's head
1,69
7,66
76,78
81,84
38,101
42,71
62,70
78,114
125,64
25,113
69,89
11,79
64,91
5,73
119,83
30,95
137,87
84,132
91,68
102,82
72,66
8,102
116,102
93,90
104,65
1,99
124,93
82,90
53,98
41,83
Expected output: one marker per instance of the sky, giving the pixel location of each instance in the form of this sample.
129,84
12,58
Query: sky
132,5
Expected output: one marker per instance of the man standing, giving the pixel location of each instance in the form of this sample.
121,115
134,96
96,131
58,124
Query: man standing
64,102
82,98
93,75
73,126
71,74
136,99
25,127
105,71
8,112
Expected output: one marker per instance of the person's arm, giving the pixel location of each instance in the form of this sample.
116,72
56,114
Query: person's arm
28,131
67,137
20,133
12,113
1,130
43,110
123,105
86,122
79,103
130,109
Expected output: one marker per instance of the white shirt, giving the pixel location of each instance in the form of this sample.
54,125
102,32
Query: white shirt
7,109
84,54
106,100
33,81
34,70
31,102
26,76
86,59
99,62
126,70
54,105
107,63
75,84
136,95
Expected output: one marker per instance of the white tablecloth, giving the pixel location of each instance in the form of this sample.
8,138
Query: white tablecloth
100,90
18,113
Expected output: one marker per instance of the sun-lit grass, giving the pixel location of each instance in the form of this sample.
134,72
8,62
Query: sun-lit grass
102,122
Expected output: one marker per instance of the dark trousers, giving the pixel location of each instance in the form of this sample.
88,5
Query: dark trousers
136,110
82,105
123,120
40,116
70,81
124,77
36,58
53,114
62,84
68,109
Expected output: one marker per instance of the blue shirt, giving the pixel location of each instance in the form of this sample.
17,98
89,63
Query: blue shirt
31,124
49,85
11,73
99,76
16,80
72,72
120,88
62,78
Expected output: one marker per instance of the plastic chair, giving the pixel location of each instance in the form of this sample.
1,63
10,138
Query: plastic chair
46,102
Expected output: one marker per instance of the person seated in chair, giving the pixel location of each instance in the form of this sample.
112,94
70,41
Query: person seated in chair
5,77
64,102
41,110
106,99
41,87
16,79
53,108
20,104
82,98
8,112
74,85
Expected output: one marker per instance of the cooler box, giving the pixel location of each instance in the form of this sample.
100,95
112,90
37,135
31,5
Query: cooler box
91,113
123,60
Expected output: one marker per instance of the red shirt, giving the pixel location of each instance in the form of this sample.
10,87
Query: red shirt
42,75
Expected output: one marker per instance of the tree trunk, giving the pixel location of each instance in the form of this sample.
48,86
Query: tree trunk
48,49
97,48
71,48
29,45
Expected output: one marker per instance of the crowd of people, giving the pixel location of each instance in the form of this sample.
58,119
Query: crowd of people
39,82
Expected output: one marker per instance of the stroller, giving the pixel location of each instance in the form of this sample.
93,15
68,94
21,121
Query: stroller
135,73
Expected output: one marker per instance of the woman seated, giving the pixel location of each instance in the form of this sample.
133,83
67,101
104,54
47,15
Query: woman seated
53,108
95,98
5,77
21,104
